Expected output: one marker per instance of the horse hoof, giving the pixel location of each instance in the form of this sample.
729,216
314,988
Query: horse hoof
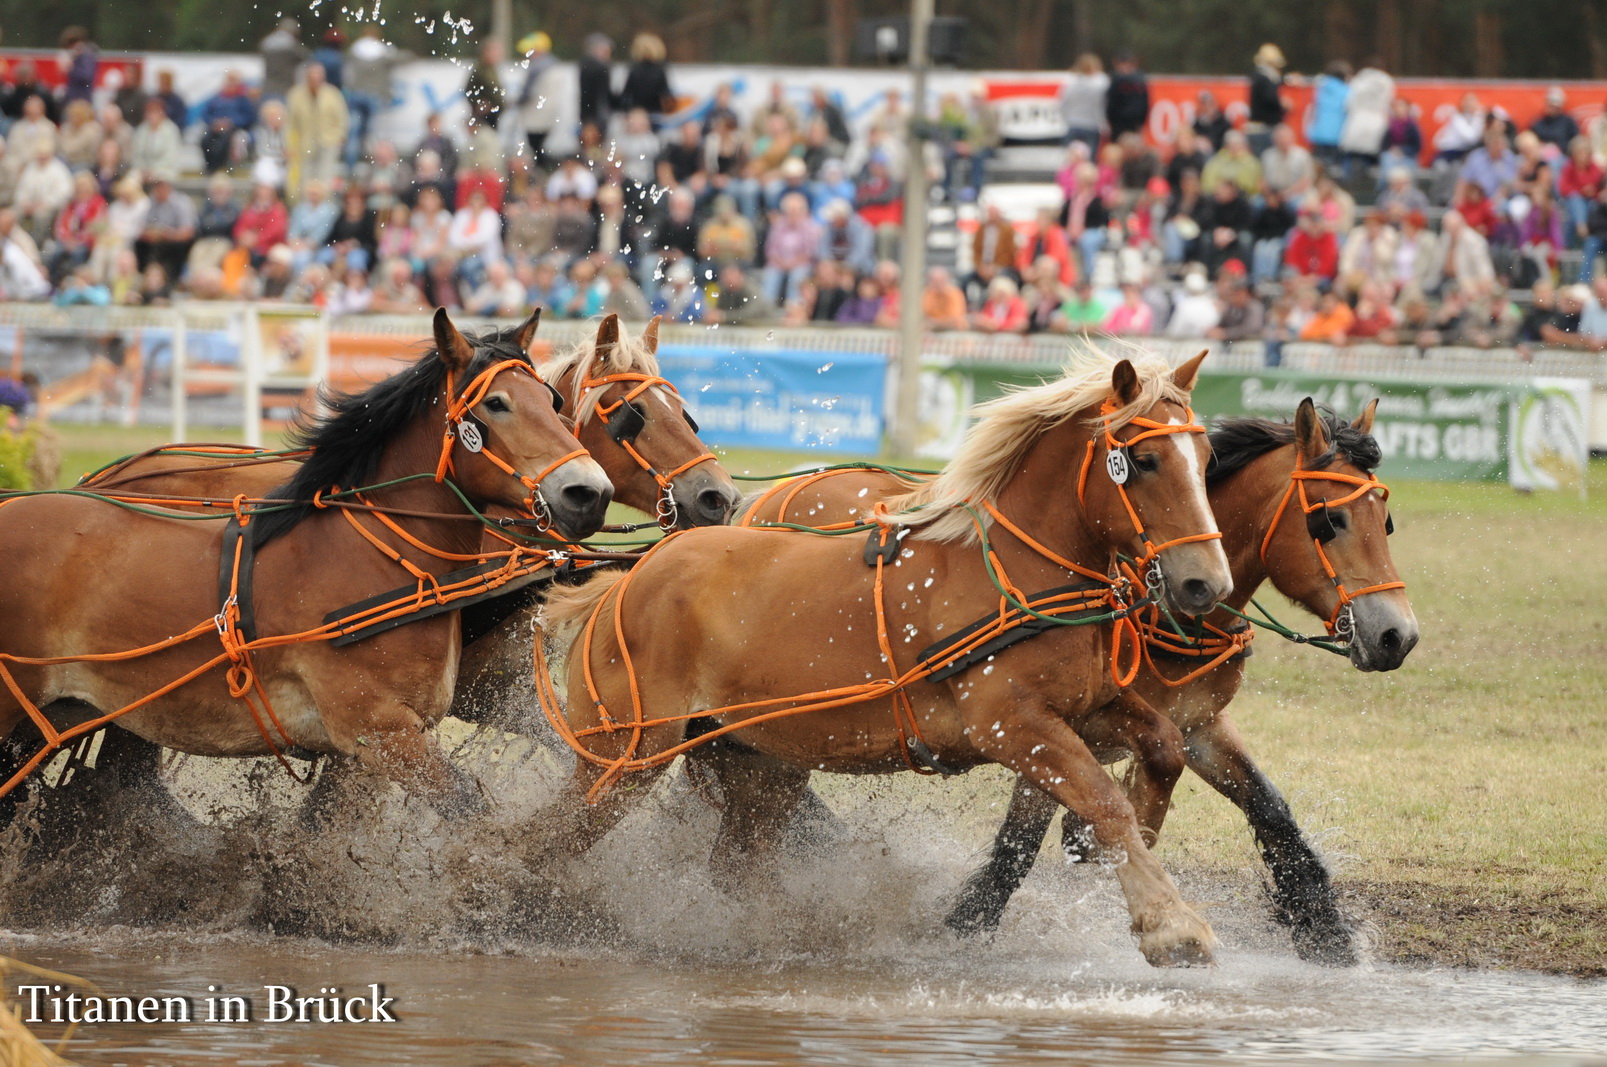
971,921
1327,944
1181,940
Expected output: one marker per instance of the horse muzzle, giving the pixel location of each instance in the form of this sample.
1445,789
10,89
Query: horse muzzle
577,496
703,498
1383,633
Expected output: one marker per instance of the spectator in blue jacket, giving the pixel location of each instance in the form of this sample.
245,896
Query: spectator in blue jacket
228,118
1329,98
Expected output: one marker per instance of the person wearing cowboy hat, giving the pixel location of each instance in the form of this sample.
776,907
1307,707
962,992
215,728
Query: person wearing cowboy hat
1266,105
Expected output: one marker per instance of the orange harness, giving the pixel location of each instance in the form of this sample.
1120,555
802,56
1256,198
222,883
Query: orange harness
894,686
667,509
241,676
1338,624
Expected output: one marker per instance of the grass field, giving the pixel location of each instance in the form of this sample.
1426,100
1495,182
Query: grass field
1463,798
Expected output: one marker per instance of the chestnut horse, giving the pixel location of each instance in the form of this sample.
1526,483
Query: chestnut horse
742,628
98,592
1271,531
625,414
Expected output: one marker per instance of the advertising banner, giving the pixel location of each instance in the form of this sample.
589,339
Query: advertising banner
1530,432
781,399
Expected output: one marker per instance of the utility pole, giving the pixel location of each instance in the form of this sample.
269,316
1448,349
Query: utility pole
502,26
911,324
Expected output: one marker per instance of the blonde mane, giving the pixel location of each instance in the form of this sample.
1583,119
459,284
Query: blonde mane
630,356
1009,425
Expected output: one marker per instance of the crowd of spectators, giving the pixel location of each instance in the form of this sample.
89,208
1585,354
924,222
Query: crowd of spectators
789,215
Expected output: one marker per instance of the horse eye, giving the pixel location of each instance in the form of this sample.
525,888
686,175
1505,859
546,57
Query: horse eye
497,404
1340,520
1147,463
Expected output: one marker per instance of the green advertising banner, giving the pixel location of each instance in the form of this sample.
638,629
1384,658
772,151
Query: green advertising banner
1531,432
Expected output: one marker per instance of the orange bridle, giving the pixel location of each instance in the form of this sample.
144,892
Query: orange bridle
667,509
1338,623
1120,469
468,433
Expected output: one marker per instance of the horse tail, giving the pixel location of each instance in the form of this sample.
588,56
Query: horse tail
569,606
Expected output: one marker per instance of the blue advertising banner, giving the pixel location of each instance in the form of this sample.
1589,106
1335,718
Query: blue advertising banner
781,398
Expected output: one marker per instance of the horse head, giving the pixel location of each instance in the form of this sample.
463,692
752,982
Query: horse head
1142,486
1327,545
635,423
507,444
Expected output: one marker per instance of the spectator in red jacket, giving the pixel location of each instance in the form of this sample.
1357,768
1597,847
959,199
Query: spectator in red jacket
1004,311
262,224
1313,250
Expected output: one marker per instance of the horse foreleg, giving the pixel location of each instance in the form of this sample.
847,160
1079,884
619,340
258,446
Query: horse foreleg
1045,750
719,769
411,756
1158,755
1303,894
759,793
983,898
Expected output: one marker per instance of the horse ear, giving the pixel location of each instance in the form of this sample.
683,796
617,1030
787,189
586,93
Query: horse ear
607,338
527,331
1185,376
1310,436
650,335
1364,421
1124,382
453,348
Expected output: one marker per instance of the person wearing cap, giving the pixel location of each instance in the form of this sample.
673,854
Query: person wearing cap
541,94
169,227
1127,98
847,239
1196,312
1266,98
282,55
369,64
1555,126
157,144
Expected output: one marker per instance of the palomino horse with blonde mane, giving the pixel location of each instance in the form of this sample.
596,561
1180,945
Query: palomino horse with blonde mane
807,644
99,590
1299,507
626,415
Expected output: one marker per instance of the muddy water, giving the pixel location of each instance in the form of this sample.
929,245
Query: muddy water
632,955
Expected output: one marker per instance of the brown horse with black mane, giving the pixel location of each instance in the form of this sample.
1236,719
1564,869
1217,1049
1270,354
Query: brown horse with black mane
807,643
625,414
1299,506
99,591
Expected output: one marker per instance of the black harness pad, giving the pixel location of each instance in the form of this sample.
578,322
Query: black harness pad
875,548
626,422
360,632
1320,525
233,534
1030,626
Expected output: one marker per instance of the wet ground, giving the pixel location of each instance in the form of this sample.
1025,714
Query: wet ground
633,956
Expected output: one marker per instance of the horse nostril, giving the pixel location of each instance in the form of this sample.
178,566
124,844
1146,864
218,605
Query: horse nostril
582,498
1197,593
1390,640
714,503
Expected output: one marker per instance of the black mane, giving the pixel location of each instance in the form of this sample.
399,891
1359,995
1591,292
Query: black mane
1235,443
348,439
